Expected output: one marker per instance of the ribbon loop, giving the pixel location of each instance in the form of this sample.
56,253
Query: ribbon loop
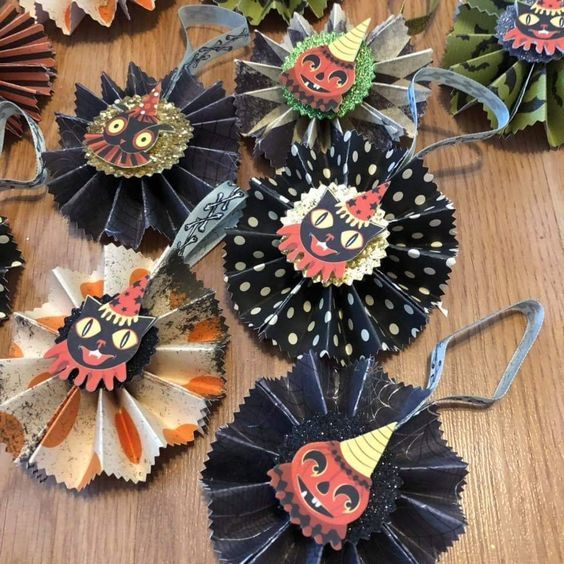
237,36
534,313
467,86
8,110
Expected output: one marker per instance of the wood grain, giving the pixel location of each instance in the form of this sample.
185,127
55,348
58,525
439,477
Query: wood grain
508,196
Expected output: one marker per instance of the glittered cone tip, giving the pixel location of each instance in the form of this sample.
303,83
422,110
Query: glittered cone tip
365,206
364,452
147,109
347,46
125,307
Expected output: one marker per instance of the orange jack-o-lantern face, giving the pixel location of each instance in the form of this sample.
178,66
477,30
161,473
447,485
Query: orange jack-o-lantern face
320,80
322,493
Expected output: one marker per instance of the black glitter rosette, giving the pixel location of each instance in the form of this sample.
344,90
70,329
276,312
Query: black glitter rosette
413,513
380,296
196,149
10,257
275,112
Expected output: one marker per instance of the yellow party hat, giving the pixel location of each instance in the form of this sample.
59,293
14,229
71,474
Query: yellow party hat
346,47
364,452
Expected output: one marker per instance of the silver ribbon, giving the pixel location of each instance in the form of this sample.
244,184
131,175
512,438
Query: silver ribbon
205,227
463,84
7,110
534,313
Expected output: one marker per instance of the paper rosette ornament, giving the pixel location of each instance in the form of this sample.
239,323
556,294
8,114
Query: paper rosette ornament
343,464
142,157
517,50
10,257
337,255
67,14
26,64
116,366
347,76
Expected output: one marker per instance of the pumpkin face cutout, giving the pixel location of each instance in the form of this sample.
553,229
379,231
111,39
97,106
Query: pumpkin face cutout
327,485
102,340
323,74
335,232
538,27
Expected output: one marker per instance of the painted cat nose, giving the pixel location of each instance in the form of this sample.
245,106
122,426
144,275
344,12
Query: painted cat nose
329,237
323,487
320,76
100,343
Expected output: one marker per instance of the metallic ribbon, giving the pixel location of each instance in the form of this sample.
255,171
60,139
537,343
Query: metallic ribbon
533,312
8,110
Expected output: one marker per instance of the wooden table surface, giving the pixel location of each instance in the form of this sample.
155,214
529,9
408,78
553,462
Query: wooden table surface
508,196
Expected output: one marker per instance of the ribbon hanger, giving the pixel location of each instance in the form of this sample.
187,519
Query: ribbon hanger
533,312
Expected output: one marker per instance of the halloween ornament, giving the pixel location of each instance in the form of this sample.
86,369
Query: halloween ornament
120,363
27,64
344,464
346,76
516,49
10,258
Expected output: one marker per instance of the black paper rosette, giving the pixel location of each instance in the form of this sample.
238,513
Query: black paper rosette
376,105
413,514
10,257
384,297
187,162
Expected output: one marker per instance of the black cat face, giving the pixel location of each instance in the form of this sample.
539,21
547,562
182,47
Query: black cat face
130,134
98,343
541,25
328,236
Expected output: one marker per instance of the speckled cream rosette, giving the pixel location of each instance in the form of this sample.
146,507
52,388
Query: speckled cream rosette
349,76
340,252
116,366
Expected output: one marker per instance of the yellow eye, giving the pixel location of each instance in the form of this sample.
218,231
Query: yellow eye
322,219
116,126
125,339
558,21
87,327
352,239
144,139
528,19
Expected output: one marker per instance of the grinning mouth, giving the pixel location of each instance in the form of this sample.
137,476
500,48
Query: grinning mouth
543,33
320,248
95,357
313,85
311,500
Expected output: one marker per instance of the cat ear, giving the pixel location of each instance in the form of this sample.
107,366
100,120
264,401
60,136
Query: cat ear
143,324
91,305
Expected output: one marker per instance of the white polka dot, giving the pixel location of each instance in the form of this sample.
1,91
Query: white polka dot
327,317
424,291
413,253
239,240
430,271
451,262
273,215
428,177
358,179
255,311
369,300
397,196
290,313
350,324
258,254
327,173
313,154
350,298
436,244
408,309
389,153
295,150
292,338
394,329
272,319
252,221
311,326
336,340
389,304
240,266
279,273
307,307
397,228
365,335
258,195
273,182
355,156
265,291
417,235
244,286
394,258
407,173
275,243
315,340
4,239
372,169
259,267
348,349
409,274
434,223
347,136
292,191
420,200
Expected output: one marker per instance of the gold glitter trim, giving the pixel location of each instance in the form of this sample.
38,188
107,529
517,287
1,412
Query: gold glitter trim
168,149
368,260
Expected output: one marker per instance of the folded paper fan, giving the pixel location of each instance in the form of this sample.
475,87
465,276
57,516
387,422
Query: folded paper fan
10,257
26,64
142,157
67,14
257,10
517,50
343,464
340,252
349,76
116,365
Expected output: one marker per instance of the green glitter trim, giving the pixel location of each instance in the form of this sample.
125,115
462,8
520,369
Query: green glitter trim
365,73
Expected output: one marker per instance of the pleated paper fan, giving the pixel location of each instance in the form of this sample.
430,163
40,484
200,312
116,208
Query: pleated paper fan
67,14
10,257
91,387
26,64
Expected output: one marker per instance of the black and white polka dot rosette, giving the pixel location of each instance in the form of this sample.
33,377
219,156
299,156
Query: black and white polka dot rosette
10,257
362,312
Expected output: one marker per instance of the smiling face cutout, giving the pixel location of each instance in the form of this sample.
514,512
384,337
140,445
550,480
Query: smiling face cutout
327,485
102,340
538,27
334,232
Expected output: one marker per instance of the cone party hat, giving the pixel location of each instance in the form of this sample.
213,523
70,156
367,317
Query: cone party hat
346,47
